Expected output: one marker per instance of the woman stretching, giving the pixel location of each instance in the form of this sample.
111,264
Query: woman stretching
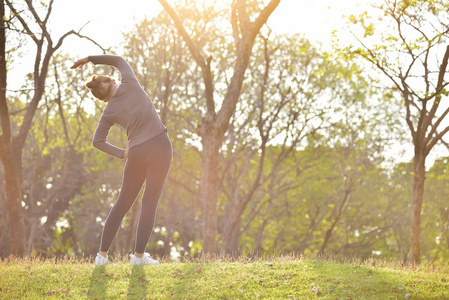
149,152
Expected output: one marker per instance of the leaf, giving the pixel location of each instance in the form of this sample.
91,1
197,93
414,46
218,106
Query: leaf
369,30
50,293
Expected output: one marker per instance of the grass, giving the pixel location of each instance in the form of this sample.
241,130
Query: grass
275,278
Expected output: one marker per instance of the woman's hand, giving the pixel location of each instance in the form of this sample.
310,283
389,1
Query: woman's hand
79,63
125,155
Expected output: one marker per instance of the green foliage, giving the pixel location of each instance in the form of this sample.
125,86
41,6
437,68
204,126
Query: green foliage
436,212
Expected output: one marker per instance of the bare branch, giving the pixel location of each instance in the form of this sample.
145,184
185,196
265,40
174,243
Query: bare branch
39,21
243,16
22,21
200,60
234,23
16,112
185,186
50,7
61,39
445,143
398,21
436,103
61,112
4,115
89,39
435,140
263,16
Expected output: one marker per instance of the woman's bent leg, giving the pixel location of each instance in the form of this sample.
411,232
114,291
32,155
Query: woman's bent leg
133,178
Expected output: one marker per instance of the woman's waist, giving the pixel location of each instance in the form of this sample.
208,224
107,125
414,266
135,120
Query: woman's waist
147,138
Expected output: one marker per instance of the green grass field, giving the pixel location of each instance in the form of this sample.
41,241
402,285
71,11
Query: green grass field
276,278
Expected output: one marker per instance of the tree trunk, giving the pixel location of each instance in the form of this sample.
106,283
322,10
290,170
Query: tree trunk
14,200
3,220
231,235
12,169
209,186
418,192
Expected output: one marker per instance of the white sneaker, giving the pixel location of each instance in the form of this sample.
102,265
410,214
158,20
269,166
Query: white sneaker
146,259
100,260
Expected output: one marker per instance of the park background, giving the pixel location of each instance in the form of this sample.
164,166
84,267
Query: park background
322,151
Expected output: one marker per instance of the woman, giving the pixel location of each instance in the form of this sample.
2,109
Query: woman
148,154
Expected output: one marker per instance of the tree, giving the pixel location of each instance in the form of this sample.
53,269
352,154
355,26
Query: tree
413,56
286,100
12,143
214,124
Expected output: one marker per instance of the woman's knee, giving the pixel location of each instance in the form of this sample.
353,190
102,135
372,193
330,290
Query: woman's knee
122,207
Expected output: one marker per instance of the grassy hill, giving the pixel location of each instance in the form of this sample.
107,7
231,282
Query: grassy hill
275,278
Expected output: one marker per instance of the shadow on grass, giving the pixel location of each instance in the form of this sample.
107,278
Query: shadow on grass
371,282
98,283
138,284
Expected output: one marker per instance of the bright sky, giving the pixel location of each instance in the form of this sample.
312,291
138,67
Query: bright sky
109,18
316,19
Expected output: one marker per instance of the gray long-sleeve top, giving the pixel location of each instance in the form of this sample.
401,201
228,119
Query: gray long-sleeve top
130,108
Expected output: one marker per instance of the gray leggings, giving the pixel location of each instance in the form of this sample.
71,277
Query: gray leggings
150,162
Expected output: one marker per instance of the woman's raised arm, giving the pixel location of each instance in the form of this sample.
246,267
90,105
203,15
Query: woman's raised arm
80,62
